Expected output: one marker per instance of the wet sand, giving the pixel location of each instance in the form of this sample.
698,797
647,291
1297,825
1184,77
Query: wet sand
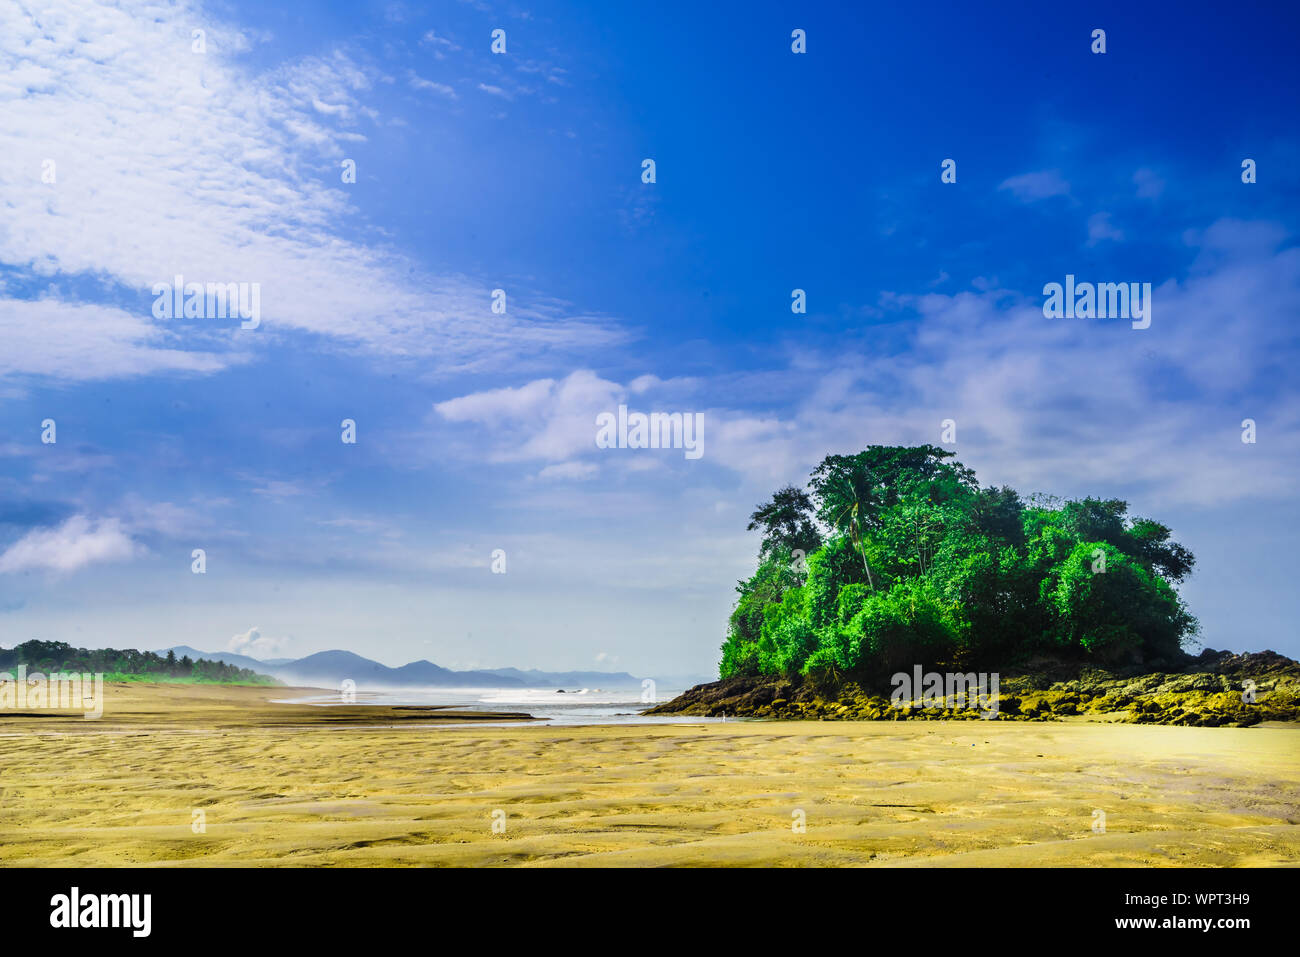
303,786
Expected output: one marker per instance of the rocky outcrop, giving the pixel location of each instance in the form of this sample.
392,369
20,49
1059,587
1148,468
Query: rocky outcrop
1211,690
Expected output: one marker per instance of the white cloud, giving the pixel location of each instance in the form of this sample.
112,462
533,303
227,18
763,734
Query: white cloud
1062,406
1030,187
1072,406
579,471
254,643
72,545
432,39
420,83
172,162
164,518
497,405
83,342
438,43
1149,183
546,419
1100,229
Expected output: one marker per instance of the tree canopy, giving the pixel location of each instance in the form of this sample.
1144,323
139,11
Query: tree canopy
52,656
895,556
786,522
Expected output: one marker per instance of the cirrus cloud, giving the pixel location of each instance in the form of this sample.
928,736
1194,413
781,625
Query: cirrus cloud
130,159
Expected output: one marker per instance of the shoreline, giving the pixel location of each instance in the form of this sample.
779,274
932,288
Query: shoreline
155,705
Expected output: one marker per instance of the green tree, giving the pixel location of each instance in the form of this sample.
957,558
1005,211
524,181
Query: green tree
1112,607
921,565
786,523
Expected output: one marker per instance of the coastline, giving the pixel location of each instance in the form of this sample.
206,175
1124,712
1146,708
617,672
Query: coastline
1214,689
164,705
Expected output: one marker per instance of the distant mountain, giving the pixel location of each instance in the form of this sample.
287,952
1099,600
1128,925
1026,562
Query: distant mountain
329,668
567,679
333,666
239,661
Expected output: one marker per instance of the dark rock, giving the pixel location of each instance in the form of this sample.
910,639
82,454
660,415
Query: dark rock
1203,691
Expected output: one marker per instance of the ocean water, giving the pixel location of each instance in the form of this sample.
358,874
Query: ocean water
575,706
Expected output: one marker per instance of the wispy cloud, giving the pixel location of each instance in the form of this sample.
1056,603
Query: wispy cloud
1149,184
78,341
420,83
438,43
1027,393
1100,229
180,162
1031,187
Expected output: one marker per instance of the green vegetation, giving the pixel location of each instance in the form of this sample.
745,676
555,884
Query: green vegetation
896,557
48,657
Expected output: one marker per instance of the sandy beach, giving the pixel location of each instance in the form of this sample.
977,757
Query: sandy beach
296,785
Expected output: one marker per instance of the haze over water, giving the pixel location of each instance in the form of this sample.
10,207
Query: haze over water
575,706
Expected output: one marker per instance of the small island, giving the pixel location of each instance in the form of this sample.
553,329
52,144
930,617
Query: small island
895,561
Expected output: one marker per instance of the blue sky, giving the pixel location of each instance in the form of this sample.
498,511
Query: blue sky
522,171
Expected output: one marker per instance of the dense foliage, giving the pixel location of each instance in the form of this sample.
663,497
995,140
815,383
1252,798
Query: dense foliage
48,657
897,557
